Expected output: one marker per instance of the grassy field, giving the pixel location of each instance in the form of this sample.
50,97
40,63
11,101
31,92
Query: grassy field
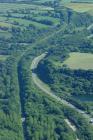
77,1
17,17
4,24
52,19
3,57
25,22
43,1
81,7
10,6
80,61
83,1
5,34
2,18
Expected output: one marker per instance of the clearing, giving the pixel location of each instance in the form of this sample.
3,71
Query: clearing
81,7
78,60
3,57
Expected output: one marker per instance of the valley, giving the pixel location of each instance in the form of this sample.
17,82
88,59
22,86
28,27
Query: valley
46,70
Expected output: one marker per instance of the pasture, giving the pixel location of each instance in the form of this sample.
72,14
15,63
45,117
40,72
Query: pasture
78,60
3,57
77,1
25,22
81,7
5,34
4,7
18,11
55,21
5,24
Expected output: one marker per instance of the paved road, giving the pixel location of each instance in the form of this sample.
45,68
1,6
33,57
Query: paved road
41,86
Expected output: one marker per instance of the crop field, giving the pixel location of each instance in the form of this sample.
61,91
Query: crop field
81,7
80,61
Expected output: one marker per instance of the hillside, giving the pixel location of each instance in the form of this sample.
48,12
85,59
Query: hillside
46,71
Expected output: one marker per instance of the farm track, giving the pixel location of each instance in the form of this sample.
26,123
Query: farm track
72,126
90,27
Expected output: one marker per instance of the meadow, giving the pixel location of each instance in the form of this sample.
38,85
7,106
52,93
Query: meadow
78,60
55,21
25,22
4,7
3,57
14,15
81,7
5,34
77,1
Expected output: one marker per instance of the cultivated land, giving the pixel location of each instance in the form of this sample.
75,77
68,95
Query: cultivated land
79,61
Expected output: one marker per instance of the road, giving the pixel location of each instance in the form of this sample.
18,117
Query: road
90,36
72,126
46,90
90,26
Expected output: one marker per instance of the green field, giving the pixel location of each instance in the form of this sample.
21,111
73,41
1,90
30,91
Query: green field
55,21
44,0
15,6
16,18
25,22
5,24
5,34
3,57
83,1
80,61
81,7
77,1
21,22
